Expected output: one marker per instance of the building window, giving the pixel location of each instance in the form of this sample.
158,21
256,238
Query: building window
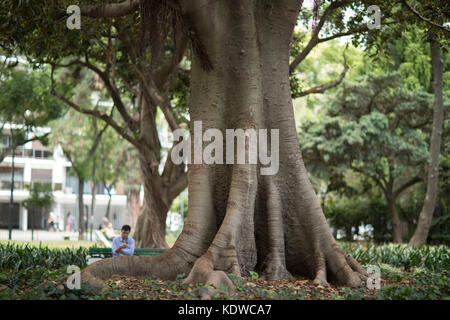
43,176
47,154
5,178
38,153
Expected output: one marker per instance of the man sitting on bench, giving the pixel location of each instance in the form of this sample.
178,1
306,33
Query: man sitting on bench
123,245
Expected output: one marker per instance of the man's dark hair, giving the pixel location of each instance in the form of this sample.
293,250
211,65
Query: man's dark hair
126,228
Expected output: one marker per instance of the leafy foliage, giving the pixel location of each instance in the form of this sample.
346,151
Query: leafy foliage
370,128
434,258
25,100
41,196
19,257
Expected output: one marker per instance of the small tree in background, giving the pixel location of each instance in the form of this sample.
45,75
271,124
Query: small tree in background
376,129
40,198
25,100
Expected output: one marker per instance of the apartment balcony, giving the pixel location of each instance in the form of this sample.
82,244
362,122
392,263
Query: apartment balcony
31,154
21,185
6,185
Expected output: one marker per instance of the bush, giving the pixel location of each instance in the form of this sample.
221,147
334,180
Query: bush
18,257
440,239
434,258
422,285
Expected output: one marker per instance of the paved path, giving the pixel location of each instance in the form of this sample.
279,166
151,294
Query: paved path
38,235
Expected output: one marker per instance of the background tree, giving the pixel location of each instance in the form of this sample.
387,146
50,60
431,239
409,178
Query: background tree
132,188
41,197
112,157
428,15
25,104
420,236
405,52
79,144
137,71
374,128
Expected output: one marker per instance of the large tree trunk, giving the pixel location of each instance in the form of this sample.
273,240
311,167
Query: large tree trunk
426,215
133,208
238,219
159,193
150,229
397,224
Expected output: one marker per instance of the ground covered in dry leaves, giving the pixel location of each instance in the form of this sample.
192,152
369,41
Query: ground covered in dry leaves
246,289
395,284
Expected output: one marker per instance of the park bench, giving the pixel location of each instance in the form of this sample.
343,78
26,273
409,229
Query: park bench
101,253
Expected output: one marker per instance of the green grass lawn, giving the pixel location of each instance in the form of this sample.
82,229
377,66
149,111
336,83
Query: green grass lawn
61,244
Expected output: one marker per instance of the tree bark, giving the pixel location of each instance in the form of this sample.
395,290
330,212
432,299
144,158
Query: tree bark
108,206
93,192
151,224
426,215
397,233
133,208
239,220
81,224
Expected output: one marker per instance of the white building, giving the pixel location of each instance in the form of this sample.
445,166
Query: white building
34,162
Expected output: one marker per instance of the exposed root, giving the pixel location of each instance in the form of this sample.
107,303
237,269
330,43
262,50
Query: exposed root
165,266
93,281
216,280
275,269
341,270
357,267
340,267
321,273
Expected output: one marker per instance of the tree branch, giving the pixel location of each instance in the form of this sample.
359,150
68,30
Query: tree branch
132,123
6,150
115,95
170,67
100,115
157,99
343,34
423,18
322,87
178,186
315,36
374,178
113,10
98,138
410,183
